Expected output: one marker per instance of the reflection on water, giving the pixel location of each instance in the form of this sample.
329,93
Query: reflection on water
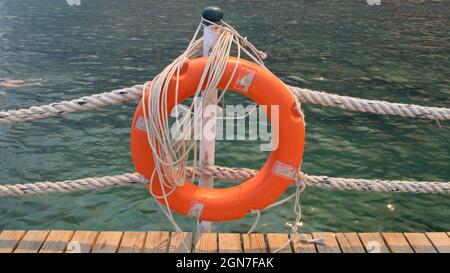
397,51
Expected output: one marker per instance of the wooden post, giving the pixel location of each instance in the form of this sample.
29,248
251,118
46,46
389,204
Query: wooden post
211,34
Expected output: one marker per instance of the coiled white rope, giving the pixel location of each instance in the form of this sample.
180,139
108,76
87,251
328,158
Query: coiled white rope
223,173
171,155
304,95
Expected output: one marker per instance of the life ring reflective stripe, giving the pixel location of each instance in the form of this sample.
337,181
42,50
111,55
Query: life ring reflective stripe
224,204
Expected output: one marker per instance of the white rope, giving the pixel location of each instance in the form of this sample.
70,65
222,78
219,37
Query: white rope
77,105
370,106
304,95
224,173
171,156
258,217
300,187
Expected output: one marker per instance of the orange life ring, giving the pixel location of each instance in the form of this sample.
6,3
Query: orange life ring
269,183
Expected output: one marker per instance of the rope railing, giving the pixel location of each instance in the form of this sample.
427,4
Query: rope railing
370,106
217,172
304,95
70,106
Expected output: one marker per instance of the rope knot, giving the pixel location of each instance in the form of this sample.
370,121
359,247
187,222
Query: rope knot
244,41
301,179
263,55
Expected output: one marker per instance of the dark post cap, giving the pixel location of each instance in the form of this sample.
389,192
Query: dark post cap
212,13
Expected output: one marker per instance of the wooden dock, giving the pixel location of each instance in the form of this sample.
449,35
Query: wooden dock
60,241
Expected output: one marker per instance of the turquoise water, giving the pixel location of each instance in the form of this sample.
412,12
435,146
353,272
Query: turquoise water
398,51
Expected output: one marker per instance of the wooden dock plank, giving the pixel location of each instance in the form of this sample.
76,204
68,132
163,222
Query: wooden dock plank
397,242
350,243
180,242
132,242
254,243
331,245
56,241
157,242
420,243
230,243
107,242
302,247
278,241
81,242
206,243
9,239
440,240
32,241
373,242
